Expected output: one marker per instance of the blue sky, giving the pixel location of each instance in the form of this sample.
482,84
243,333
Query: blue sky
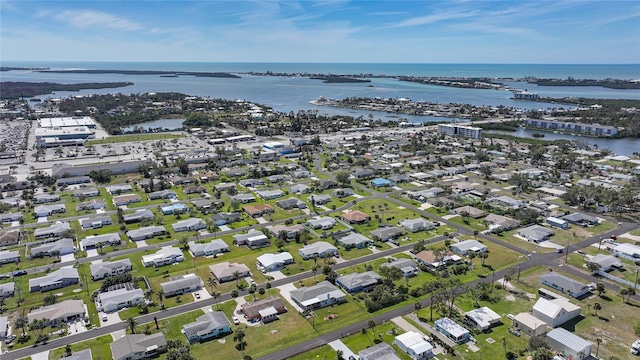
574,32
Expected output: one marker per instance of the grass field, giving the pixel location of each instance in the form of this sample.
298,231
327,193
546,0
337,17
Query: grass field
130,138
99,348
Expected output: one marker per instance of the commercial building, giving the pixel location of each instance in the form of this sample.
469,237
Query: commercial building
591,129
459,130
63,122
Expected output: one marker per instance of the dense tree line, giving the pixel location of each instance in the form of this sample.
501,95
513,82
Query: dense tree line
18,89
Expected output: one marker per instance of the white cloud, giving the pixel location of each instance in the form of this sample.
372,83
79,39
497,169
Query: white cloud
434,18
89,18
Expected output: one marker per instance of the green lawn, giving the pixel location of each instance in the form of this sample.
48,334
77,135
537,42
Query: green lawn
99,348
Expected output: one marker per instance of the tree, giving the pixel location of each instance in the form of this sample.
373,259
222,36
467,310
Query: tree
372,325
483,256
237,276
417,306
630,291
314,270
593,267
131,324
340,354
343,177
542,354
598,341
600,288
67,351
261,291
597,307
50,299
212,283
160,296
239,337
22,322
235,204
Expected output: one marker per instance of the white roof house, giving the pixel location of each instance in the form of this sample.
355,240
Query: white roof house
165,256
627,250
414,345
317,296
317,249
207,249
270,262
119,299
483,318
467,246
95,241
555,312
191,224
573,346
452,330
529,324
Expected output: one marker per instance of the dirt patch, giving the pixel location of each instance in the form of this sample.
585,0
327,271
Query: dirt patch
273,332
510,298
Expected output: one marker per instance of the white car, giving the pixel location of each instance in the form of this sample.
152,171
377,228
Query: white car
236,321
104,317
197,295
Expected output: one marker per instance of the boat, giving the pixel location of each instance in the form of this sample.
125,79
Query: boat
635,347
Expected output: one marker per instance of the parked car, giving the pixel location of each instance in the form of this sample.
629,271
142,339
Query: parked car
197,295
104,317
20,272
236,321
9,339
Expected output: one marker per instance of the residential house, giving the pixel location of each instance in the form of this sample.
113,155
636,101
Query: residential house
125,297
363,173
414,345
535,233
54,280
146,233
386,233
258,210
482,318
269,194
318,296
415,225
357,282
327,184
7,257
290,231
564,284
56,248
224,186
251,182
96,241
468,246
529,324
95,223
265,310
580,219
408,267
556,222
318,249
122,200
7,290
138,346
323,223
472,212
109,268
45,198
165,256
381,182
253,239
606,262
342,192
194,189
48,210
355,240
52,231
300,189
138,216
291,203
436,261
381,351
119,189
243,198
211,248
58,313
163,194
627,251
210,325
177,208
508,202
319,199
85,193
555,312
191,224
356,217
272,262
569,344
93,204
182,284
74,180
9,237
227,271
501,222
452,330
10,217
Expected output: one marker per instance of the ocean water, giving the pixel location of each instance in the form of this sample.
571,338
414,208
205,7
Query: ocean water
287,94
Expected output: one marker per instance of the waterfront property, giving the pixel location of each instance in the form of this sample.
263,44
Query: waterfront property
590,129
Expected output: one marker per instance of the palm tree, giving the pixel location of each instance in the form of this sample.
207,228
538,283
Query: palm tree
236,275
598,341
314,270
339,354
212,283
372,325
21,322
131,324
597,307
239,337
216,296
160,296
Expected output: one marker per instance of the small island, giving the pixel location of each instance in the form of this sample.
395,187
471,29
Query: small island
339,79
145,72
18,89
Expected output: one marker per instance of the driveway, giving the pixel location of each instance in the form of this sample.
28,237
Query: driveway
285,291
346,352
112,318
42,219
204,294
67,258
92,253
261,220
41,356
277,275
141,243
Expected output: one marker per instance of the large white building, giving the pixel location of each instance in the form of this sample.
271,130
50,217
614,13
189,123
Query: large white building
60,122
459,130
